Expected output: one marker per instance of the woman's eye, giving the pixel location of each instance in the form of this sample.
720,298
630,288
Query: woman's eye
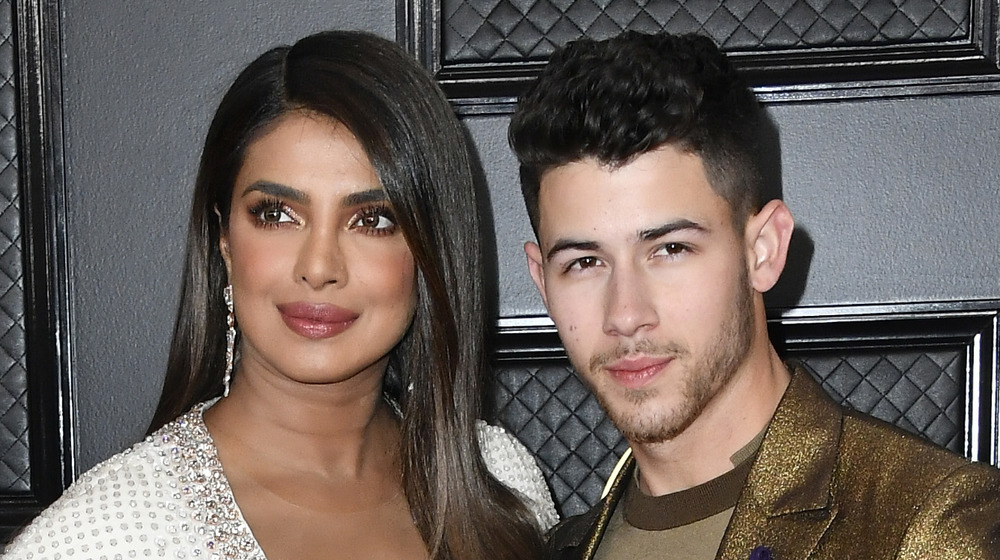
378,220
272,213
275,216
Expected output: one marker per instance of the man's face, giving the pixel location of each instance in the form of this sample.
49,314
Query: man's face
646,280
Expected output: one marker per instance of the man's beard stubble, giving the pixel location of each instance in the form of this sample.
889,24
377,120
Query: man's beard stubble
702,380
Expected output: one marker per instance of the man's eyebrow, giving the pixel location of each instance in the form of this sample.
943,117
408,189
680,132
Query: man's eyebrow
668,228
643,235
277,190
571,245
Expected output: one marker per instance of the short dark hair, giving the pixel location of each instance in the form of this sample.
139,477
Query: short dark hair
615,99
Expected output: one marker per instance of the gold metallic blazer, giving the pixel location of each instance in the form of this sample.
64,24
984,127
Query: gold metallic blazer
830,483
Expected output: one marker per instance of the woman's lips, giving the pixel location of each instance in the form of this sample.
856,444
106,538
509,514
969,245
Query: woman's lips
635,373
316,320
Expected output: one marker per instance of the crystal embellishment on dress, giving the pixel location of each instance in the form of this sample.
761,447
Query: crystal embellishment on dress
206,490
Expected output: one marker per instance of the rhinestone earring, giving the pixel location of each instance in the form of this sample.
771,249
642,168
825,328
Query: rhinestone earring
227,294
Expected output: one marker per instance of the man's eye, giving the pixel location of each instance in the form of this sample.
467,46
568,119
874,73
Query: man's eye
583,263
671,249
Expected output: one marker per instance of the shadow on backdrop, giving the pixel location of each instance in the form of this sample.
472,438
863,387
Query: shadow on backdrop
491,266
788,291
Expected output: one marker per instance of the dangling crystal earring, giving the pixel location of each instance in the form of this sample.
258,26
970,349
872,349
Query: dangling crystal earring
227,294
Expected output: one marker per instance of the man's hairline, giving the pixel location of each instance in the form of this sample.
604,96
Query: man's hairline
738,222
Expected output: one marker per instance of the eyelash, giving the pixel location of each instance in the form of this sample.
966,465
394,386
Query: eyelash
268,204
576,265
673,250
377,211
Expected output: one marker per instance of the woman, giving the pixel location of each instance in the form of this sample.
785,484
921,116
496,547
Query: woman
334,258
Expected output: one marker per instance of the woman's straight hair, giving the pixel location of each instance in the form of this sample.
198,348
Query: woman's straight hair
437,372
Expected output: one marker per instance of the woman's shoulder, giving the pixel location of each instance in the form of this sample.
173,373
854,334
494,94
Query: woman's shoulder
510,462
116,505
137,502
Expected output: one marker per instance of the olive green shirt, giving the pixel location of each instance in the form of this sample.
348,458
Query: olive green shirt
688,524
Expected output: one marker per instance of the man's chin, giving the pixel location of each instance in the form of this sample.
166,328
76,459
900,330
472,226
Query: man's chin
637,433
646,426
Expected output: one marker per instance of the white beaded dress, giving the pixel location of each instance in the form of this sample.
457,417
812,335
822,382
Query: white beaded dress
167,497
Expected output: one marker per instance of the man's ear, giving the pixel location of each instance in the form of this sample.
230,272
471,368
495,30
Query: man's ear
534,254
224,244
768,234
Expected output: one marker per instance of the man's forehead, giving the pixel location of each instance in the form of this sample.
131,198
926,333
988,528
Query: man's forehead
587,198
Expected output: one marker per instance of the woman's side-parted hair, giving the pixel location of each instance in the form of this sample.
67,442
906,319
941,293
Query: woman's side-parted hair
420,154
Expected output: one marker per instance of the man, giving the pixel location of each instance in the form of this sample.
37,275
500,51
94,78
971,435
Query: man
642,177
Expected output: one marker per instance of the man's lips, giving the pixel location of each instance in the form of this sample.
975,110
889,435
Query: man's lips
636,372
316,320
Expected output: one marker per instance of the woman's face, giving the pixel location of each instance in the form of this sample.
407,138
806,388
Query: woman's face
323,281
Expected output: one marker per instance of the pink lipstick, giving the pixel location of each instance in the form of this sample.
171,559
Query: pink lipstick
316,320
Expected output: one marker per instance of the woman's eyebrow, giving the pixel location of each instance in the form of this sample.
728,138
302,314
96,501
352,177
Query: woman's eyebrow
363,197
294,195
277,190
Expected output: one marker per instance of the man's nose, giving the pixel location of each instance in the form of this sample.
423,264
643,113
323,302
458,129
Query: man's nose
629,308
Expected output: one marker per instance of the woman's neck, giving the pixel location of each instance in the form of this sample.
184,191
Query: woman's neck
334,430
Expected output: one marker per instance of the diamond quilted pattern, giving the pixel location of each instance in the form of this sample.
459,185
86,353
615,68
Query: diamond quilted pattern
560,421
529,30
920,392
14,460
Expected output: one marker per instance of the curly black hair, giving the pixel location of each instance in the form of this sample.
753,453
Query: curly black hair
615,99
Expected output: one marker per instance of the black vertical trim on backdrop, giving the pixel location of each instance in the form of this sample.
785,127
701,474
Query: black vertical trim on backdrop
46,265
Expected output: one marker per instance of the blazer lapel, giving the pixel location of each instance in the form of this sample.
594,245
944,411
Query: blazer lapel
608,504
787,503
577,538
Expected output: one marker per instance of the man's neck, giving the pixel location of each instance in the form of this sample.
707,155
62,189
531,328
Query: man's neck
737,414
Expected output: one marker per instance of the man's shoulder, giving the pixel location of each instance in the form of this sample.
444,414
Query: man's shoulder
865,431
868,448
878,450
873,485
571,533
935,502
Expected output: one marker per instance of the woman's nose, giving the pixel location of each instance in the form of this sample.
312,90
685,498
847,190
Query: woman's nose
320,261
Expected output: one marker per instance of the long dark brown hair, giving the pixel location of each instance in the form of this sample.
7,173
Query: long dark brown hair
420,153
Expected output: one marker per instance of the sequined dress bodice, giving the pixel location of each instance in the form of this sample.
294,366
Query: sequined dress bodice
167,497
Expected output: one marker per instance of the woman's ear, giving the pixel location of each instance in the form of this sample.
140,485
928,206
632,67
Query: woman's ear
224,243
767,235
